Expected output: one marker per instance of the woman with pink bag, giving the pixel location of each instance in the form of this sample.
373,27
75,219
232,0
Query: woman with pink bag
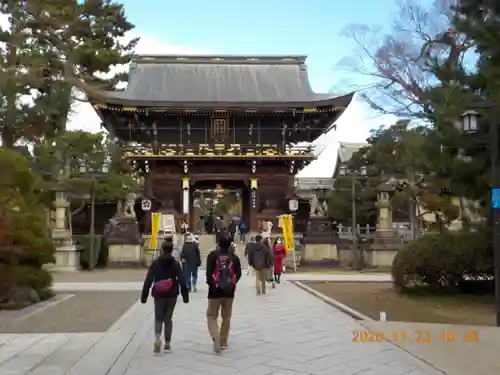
165,278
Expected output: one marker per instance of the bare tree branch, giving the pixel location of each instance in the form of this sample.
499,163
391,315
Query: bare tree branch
395,69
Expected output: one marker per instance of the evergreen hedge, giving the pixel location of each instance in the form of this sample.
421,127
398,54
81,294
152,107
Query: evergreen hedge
447,261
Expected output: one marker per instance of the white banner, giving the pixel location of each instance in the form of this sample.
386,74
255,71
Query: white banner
167,223
185,201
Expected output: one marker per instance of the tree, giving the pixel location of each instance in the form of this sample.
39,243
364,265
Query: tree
407,156
61,160
479,83
420,69
18,64
84,40
58,51
479,20
340,202
417,53
25,244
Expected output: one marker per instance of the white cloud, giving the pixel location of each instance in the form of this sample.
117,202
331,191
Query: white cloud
83,116
353,125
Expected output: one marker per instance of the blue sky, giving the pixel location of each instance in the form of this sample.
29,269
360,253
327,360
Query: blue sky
309,27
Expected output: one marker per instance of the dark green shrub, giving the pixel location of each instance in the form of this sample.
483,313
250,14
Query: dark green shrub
37,279
25,276
445,261
25,243
27,230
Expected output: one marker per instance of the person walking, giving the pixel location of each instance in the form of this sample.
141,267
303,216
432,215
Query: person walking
243,231
267,228
223,271
175,252
209,223
279,252
247,249
191,260
164,279
260,259
219,227
184,227
270,268
232,229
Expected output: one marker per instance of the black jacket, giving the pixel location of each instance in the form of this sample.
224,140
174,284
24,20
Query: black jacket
248,246
232,227
163,268
191,253
213,291
259,256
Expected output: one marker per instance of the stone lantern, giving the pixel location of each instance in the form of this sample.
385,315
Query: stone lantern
67,255
385,191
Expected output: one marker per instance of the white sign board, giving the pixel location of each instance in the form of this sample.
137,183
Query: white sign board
146,205
293,205
167,223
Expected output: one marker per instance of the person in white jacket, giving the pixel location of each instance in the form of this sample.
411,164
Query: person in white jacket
267,229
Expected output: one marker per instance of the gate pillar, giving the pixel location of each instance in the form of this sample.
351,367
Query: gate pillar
253,225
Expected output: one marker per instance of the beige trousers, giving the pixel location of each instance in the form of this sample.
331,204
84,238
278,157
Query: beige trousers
260,281
225,306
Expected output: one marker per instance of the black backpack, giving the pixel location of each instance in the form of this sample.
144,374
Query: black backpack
224,275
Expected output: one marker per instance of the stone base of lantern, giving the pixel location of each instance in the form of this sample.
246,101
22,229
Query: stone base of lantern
67,255
320,252
125,256
319,231
67,259
386,234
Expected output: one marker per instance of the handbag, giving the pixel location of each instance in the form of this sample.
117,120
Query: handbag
163,286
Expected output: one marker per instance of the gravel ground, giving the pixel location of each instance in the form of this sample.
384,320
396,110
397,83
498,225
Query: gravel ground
76,312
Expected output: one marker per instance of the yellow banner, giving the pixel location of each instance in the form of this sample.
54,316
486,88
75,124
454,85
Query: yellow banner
155,227
287,228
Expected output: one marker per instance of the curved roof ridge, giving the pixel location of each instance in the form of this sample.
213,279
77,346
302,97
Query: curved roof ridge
220,59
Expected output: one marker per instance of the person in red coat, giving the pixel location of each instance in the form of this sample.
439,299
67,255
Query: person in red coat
279,252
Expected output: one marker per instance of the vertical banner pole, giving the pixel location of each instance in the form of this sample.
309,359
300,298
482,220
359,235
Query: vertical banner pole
287,229
155,227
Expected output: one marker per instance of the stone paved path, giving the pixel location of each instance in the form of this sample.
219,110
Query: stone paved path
287,331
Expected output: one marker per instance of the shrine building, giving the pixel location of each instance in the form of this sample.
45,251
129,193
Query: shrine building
194,122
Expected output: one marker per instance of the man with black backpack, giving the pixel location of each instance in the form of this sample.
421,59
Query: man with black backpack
223,273
165,276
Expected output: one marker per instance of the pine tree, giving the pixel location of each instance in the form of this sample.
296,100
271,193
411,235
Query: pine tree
19,63
480,21
72,46
85,39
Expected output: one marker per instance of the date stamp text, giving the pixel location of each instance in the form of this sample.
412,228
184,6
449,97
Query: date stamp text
419,336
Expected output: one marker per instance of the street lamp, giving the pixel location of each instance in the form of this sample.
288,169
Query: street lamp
469,121
470,125
93,174
354,174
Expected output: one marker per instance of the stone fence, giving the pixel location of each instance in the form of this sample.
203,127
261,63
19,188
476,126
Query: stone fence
346,233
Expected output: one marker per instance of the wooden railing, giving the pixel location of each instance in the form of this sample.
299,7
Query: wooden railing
205,150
